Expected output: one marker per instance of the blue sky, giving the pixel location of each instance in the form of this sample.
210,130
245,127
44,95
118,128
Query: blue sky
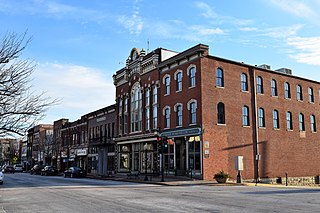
78,45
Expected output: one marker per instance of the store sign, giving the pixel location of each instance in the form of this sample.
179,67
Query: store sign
182,132
82,152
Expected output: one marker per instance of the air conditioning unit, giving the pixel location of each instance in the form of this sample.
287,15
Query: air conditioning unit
284,70
265,66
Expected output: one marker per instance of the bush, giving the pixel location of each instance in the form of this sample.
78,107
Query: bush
221,174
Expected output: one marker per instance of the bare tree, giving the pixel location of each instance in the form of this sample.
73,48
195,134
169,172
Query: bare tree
20,106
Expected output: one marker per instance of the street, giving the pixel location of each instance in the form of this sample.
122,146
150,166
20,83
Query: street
23,192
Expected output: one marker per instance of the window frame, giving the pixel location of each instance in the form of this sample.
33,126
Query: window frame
313,123
219,77
287,90
299,92
275,116
221,113
274,89
244,82
259,85
245,116
302,127
261,118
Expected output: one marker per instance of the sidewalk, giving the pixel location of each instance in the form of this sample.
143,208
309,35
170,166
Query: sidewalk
185,181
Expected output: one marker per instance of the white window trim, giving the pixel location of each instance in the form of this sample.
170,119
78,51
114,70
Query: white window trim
191,101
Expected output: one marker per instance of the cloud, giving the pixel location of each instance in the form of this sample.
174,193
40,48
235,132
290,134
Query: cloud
295,7
306,49
82,89
133,23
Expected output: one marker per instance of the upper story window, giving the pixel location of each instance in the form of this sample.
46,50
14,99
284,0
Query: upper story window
178,78
155,94
274,89
147,97
178,110
287,92
155,117
259,85
244,82
221,113
301,122
166,82
299,93
166,113
126,105
120,106
313,123
262,122
276,123
311,96
245,116
192,76
192,107
136,108
219,78
147,118
289,120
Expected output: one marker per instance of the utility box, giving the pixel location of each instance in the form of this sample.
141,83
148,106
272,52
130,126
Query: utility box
239,163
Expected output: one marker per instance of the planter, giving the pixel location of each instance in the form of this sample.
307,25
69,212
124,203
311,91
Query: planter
221,179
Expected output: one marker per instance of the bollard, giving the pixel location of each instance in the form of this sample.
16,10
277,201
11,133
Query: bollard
286,178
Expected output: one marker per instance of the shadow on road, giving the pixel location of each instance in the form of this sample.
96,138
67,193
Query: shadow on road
285,191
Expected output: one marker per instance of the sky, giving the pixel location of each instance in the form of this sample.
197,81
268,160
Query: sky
78,45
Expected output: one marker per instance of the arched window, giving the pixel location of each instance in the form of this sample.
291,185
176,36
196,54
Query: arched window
166,114
192,107
147,97
287,92
259,85
276,124
219,78
136,108
245,116
166,82
301,122
244,82
178,78
289,120
261,117
313,123
274,89
178,110
299,93
192,76
311,96
221,113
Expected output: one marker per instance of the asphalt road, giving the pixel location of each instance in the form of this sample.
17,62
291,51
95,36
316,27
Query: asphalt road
23,192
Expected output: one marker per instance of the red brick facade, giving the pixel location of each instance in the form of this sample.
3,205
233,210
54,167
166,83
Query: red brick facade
280,150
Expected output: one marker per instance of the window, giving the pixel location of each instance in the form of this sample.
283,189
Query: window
311,96
245,116
155,117
125,123
276,124
289,120
120,106
136,108
261,117
147,97
166,113
219,78
287,92
192,107
166,83
192,76
274,90
178,78
259,85
155,95
313,123
148,118
244,82
221,113
299,93
178,110
301,122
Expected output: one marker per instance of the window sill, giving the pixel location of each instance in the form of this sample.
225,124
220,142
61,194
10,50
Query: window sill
179,126
177,91
244,91
289,99
311,102
274,96
260,94
262,127
219,87
193,124
277,129
192,87
290,130
246,126
219,124
314,132
166,94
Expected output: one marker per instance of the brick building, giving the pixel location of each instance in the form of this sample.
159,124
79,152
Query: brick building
212,110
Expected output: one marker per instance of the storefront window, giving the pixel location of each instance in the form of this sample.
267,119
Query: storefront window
194,153
124,157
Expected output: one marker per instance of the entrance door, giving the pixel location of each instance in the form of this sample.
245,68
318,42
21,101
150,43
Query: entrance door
180,156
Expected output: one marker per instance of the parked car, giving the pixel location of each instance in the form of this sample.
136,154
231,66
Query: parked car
1,177
74,172
8,169
49,170
18,168
36,169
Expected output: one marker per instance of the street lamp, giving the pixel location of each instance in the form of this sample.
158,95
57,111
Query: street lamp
145,161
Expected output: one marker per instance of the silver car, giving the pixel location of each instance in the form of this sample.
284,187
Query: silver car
1,177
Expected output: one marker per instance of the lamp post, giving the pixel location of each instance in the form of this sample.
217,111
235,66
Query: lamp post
145,161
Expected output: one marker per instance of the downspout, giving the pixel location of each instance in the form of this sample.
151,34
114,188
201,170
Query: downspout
255,126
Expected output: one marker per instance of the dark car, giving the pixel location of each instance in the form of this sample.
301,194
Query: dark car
36,169
8,169
49,170
74,172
